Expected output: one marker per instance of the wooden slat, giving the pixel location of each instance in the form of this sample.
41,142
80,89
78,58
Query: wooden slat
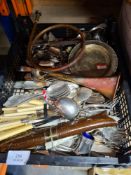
74,2
75,11
3,168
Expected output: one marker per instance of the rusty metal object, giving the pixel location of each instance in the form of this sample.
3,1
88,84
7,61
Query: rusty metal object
107,86
98,60
41,136
75,58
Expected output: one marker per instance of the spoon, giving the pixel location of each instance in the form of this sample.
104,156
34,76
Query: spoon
68,108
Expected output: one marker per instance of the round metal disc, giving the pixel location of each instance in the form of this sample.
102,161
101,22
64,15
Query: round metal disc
98,60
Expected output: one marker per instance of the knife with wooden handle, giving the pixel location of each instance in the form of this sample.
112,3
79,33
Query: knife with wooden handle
40,136
9,125
15,131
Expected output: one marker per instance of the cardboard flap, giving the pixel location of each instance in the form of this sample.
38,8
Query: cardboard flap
76,11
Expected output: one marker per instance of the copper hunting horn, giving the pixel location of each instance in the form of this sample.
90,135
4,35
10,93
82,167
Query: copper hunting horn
107,86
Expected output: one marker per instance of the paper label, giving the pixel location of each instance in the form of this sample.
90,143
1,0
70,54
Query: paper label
101,66
17,157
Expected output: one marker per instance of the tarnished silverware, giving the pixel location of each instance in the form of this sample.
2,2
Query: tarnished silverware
83,95
107,86
68,108
96,98
57,90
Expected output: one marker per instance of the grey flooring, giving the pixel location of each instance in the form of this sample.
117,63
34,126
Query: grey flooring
46,170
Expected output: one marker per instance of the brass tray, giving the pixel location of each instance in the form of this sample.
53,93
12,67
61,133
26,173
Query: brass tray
99,60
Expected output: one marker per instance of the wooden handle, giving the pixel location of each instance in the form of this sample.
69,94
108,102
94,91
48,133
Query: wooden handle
19,113
12,132
36,102
9,110
9,125
25,105
3,118
35,108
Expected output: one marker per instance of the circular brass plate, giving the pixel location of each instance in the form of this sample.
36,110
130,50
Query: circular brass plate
98,60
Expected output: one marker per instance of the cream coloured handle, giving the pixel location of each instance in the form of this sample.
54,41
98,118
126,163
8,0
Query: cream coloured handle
12,132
